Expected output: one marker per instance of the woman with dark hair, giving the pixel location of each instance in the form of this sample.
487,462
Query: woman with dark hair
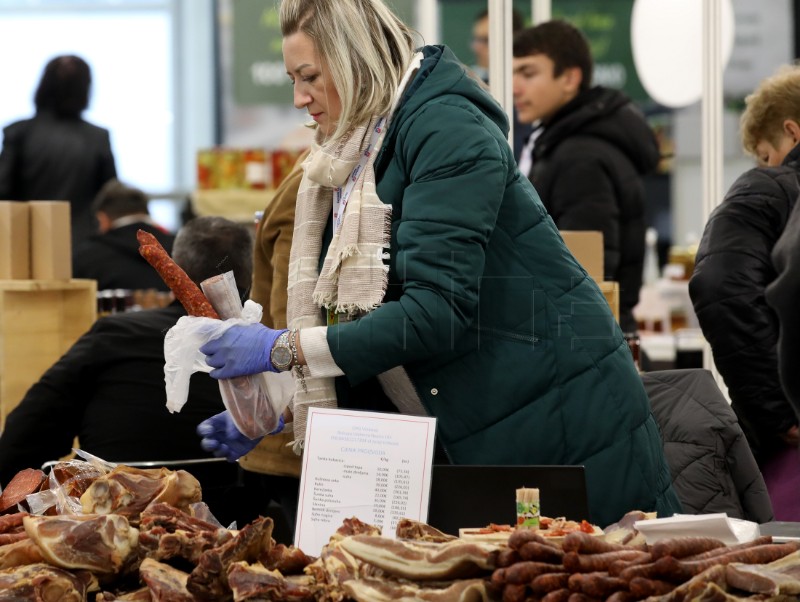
56,155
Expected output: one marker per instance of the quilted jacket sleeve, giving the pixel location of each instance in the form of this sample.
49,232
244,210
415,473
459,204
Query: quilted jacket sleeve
449,210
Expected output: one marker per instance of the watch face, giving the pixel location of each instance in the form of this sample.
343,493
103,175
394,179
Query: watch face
281,357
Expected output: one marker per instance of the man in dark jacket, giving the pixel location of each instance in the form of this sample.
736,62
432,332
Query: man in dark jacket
108,389
112,256
589,151
731,274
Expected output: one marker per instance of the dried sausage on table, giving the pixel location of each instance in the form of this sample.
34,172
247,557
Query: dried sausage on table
681,547
526,571
23,483
590,563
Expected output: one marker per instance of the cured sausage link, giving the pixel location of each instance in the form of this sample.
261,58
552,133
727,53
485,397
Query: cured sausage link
590,563
758,541
559,595
527,571
681,547
549,582
514,593
642,588
25,482
522,536
673,569
540,552
184,289
596,585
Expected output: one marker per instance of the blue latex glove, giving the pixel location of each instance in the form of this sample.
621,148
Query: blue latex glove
241,350
224,440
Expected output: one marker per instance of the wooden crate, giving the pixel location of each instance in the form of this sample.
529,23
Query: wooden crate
39,321
610,291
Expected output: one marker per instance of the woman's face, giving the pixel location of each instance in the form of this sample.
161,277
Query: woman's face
313,88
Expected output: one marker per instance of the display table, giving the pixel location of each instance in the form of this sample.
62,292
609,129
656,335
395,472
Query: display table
39,322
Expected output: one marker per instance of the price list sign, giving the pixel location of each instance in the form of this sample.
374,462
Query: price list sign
372,466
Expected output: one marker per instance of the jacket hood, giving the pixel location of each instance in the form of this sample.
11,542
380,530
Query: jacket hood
451,78
606,114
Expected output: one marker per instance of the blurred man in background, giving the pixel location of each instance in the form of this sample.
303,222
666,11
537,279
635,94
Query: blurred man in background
112,256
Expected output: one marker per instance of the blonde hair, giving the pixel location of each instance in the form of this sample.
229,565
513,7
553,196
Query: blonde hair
776,99
364,46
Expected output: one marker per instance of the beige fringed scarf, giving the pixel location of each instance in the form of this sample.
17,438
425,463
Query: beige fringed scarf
353,277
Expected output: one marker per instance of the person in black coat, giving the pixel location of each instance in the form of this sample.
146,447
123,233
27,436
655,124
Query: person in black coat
589,151
732,271
108,390
112,256
56,155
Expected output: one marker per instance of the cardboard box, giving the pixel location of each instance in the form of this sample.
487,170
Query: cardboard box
587,248
51,240
15,241
610,291
39,321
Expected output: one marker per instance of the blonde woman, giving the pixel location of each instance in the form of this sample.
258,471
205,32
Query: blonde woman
426,277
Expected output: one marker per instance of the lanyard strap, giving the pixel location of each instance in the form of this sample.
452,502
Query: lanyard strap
342,195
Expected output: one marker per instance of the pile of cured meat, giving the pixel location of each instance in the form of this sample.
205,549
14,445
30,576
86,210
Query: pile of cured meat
105,534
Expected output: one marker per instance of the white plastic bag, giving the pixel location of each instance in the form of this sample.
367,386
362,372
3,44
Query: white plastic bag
255,402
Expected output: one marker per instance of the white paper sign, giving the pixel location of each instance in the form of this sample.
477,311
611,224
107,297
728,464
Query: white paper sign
372,466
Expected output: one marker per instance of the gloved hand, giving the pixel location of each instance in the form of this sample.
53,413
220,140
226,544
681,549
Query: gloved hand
223,439
241,350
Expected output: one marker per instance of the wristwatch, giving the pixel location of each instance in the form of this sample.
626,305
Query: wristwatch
281,354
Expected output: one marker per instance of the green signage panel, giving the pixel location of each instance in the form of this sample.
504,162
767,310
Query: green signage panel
606,24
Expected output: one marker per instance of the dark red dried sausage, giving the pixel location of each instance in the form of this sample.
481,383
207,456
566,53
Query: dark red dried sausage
590,563
681,547
673,569
499,577
506,557
579,597
12,522
23,483
184,289
527,571
560,595
653,570
621,596
540,552
597,585
549,582
6,538
514,593
617,566
522,536
642,588
758,541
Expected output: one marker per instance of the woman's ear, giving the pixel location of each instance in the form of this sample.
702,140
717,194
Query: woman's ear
792,129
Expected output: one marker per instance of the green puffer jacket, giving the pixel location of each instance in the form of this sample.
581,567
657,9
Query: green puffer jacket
505,338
